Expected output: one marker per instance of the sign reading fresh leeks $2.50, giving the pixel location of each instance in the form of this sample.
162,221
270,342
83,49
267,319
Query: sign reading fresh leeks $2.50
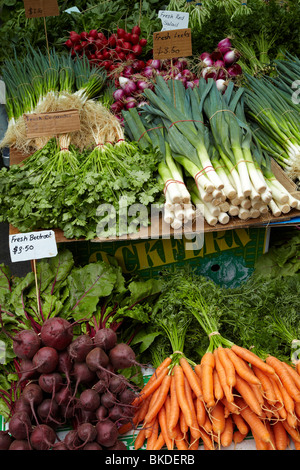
172,44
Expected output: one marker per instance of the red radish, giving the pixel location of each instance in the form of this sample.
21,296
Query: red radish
89,399
20,444
42,437
80,347
137,49
45,360
84,35
136,30
134,39
143,42
112,40
57,333
122,356
93,33
131,57
75,38
107,433
101,36
121,32
5,440
19,425
126,46
69,43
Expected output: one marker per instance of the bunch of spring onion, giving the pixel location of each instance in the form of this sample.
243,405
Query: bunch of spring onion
277,121
210,150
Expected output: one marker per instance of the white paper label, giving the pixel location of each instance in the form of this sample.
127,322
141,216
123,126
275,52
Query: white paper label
173,19
2,92
72,10
32,245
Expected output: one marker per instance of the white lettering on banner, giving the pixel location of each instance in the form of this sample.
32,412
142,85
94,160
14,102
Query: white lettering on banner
173,19
32,245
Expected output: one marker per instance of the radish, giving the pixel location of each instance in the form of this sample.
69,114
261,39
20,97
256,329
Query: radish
26,343
93,33
80,347
136,30
137,49
143,42
45,360
5,440
20,425
57,333
134,39
107,433
20,444
89,400
105,338
122,356
42,437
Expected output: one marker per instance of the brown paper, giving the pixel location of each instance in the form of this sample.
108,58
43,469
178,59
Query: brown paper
51,124
172,43
41,8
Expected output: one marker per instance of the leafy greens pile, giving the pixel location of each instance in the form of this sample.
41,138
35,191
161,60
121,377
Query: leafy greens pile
46,192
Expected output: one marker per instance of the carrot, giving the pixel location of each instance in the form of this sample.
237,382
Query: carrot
242,368
266,384
200,411
298,367
173,416
288,402
125,428
296,444
198,372
293,373
150,388
194,429
180,441
232,407
227,434
253,359
165,363
181,396
207,426
149,428
207,441
207,383
260,444
160,442
238,437
292,420
297,410
218,390
182,423
162,419
154,435
257,392
191,377
284,377
158,402
271,444
244,389
241,424
228,366
140,439
222,377
194,445
218,418
294,433
255,423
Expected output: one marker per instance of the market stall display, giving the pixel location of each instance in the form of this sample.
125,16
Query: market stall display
110,143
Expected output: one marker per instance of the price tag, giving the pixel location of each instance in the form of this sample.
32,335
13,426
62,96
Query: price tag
173,19
32,245
50,124
172,43
41,8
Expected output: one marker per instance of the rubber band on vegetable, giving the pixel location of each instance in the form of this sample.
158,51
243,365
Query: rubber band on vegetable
222,110
168,182
148,130
186,120
204,171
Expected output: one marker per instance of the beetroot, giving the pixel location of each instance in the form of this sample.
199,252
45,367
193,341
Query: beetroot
5,440
33,395
126,397
19,425
20,444
45,360
105,338
59,446
50,383
72,440
80,347
22,405
89,400
107,433
48,410
27,370
122,356
26,343
100,386
116,413
117,383
42,437
86,432
119,445
65,364
57,333
92,446
101,413
108,399
63,396
82,374
96,359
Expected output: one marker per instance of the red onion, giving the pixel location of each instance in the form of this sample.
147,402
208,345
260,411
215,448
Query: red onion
224,45
190,84
129,87
119,94
142,85
219,63
196,81
155,63
221,84
128,71
130,103
216,55
209,72
234,70
142,103
231,57
148,72
222,73
207,61
117,107
204,55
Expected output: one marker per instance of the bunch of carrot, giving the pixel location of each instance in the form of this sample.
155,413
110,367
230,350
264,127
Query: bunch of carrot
231,394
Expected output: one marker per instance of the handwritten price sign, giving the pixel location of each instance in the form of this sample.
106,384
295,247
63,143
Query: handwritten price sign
41,8
32,245
172,43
